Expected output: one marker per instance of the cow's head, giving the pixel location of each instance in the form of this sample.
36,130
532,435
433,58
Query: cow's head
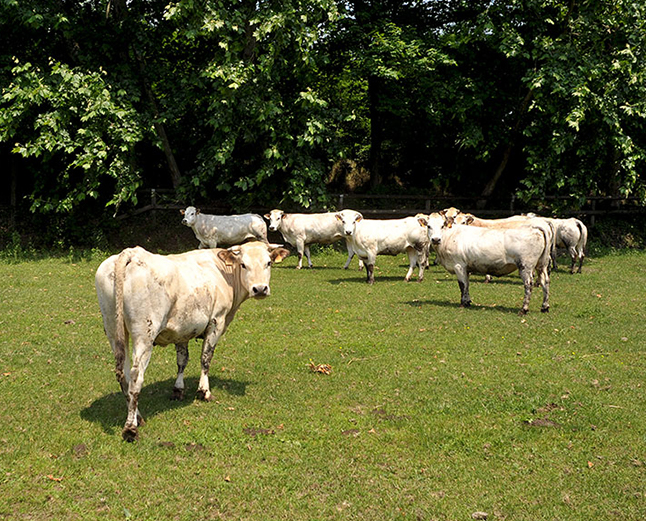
190,214
450,212
274,217
348,219
254,260
435,223
464,218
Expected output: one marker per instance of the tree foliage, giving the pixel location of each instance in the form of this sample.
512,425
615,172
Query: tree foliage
256,101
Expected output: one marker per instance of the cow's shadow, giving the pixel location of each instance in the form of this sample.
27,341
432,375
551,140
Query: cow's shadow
110,410
456,305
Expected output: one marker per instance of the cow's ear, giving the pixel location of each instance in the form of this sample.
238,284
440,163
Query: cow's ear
182,212
278,254
197,211
338,216
359,218
449,222
469,219
227,256
442,212
267,216
422,222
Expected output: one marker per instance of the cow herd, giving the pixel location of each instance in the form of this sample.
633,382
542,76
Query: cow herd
148,299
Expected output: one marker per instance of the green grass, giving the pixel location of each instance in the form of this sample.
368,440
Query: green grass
431,411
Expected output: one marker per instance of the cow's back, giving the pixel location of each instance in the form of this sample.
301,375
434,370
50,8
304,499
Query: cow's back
318,228
230,230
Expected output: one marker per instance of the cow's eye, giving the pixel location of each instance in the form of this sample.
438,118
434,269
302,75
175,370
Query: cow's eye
269,264
242,264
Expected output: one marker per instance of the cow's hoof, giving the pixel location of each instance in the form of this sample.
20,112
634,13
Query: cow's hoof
465,304
299,267
178,394
545,310
205,396
130,433
523,312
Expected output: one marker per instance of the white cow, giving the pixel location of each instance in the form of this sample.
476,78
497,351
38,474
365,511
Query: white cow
160,300
469,249
513,221
301,229
224,230
573,235
372,237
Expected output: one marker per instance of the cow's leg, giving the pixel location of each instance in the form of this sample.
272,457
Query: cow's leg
422,263
544,280
307,254
412,262
463,282
581,254
211,337
573,256
182,360
370,273
122,365
300,248
528,281
141,353
350,255
553,257
369,263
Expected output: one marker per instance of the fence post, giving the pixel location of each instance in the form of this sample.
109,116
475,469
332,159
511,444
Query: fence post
340,201
153,203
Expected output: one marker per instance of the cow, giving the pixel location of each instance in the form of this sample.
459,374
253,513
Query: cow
507,222
300,230
571,234
170,299
450,212
513,221
469,249
372,237
224,230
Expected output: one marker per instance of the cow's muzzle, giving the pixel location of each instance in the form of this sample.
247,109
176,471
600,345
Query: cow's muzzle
260,291
436,240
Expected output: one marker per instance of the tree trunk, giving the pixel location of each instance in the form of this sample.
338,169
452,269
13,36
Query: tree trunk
118,11
491,185
376,133
160,129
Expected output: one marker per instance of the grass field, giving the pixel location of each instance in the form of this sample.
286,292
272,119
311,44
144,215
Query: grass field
430,412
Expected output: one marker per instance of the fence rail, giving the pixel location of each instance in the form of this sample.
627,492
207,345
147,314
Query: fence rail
395,205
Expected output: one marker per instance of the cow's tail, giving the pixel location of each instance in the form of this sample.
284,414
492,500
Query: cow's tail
550,245
552,239
583,237
120,340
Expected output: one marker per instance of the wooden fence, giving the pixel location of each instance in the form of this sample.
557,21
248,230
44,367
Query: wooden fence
385,206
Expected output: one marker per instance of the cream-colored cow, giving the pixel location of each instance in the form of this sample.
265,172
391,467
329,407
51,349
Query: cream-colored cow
160,300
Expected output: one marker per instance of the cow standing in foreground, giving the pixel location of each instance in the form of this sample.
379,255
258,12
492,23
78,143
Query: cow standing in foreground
224,230
161,300
372,237
302,229
571,234
469,249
